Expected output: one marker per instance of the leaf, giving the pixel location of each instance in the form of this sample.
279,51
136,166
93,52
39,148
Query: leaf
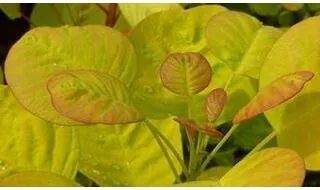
276,93
214,103
252,132
313,7
293,6
12,10
45,52
135,12
200,183
92,97
36,179
296,122
185,74
29,143
58,14
216,173
241,43
271,167
128,155
154,38
266,9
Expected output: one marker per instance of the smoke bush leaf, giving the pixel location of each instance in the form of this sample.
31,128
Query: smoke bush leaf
154,38
57,14
267,168
135,12
241,43
12,10
279,91
128,155
46,51
214,103
296,122
266,9
185,73
92,97
214,173
36,179
30,143
200,183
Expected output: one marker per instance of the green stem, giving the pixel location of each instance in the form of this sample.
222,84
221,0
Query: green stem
164,150
262,143
169,144
217,148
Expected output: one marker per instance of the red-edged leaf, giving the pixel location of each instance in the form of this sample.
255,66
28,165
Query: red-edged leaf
279,91
190,126
215,103
185,73
213,132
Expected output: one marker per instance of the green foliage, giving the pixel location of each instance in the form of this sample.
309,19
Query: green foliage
127,155
12,10
29,143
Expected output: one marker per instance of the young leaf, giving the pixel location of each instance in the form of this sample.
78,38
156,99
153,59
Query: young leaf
154,38
128,155
279,91
241,43
299,118
29,143
12,10
36,179
135,12
92,97
73,14
185,74
214,104
268,168
47,51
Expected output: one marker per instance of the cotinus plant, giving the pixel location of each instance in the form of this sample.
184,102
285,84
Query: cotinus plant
85,98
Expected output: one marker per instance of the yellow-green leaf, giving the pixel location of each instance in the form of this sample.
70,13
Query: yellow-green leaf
46,51
185,74
92,97
30,143
12,10
214,103
135,12
277,92
200,183
271,167
36,179
214,173
128,155
296,122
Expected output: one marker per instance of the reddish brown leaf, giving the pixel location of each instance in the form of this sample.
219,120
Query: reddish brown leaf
213,132
190,126
215,103
279,91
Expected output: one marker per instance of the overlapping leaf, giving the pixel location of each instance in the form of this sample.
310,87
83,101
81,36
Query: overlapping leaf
214,103
296,122
185,74
157,36
36,179
29,143
128,155
92,97
279,91
46,51
135,12
268,168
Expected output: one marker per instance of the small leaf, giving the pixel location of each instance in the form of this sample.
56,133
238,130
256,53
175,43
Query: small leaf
185,73
268,168
135,12
36,179
279,91
12,10
200,183
92,97
214,103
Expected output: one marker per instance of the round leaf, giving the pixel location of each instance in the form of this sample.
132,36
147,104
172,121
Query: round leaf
92,97
185,74
157,36
30,143
296,121
128,155
36,179
46,51
271,167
